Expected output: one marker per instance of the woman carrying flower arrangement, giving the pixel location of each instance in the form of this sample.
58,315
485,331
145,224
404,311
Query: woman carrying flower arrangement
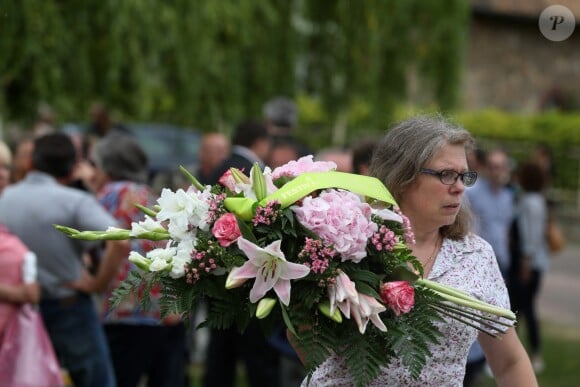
423,163
368,300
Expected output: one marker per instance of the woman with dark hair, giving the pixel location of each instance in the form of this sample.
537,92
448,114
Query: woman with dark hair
140,343
422,161
533,258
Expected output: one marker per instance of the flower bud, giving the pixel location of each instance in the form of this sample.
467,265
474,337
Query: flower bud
191,178
324,307
145,210
239,176
233,280
265,306
258,182
139,260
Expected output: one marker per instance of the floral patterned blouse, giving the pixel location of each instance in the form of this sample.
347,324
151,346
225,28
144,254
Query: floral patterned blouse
469,265
118,198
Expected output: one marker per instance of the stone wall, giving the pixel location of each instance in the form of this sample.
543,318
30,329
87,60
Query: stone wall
510,65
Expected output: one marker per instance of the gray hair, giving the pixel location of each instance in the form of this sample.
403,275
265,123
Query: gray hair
121,157
407,147
282,112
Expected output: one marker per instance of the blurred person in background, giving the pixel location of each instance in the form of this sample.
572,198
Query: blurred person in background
214,149
20,285
101,124
45,122
29,209
251,144
5,166
280,116
281,119
476,363
22,160
476,160
284,150
531,259
362,155
341,156
492,202
141,344
493,206
292,372
21,327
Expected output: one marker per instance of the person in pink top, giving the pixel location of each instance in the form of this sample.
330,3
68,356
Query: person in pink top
26,354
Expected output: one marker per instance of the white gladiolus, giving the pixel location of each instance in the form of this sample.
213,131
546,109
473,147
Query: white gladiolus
147,225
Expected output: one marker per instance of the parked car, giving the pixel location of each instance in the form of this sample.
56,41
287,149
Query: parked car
167,146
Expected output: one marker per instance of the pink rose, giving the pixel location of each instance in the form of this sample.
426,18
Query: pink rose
226,229
399,295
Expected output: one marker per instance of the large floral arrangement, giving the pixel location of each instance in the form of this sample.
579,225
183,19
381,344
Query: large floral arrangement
323,253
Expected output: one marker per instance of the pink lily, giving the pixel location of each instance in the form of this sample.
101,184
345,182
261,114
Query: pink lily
368,308
269,267
342,294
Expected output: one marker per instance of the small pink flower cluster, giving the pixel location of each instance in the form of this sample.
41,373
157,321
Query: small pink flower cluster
200,264
318,253
409,235
384,239
267,215
216,208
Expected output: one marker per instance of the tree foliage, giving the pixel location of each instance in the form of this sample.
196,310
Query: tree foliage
210,64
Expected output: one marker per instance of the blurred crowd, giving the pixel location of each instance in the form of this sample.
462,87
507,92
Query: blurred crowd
91,181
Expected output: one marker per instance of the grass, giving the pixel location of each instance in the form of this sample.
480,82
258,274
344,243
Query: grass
561,350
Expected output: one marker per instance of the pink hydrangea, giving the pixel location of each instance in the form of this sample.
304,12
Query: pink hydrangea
303,165
341,219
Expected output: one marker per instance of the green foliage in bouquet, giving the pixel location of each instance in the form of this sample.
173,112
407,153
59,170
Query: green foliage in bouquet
320,252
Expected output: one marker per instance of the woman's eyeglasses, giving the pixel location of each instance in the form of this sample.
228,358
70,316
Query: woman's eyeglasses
449,176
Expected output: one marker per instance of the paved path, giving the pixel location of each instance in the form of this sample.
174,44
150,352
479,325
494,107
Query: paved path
559,299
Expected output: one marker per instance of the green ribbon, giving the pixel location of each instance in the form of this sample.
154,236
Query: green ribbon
307,183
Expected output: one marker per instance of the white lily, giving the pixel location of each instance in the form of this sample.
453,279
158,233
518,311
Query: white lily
387,214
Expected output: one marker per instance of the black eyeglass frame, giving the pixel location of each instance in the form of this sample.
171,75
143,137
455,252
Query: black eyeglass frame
456,175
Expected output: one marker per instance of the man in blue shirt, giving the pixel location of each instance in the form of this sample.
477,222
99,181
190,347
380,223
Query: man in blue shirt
492,202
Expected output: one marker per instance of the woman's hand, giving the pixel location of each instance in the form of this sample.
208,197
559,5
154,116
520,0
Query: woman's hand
294,344
20,294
